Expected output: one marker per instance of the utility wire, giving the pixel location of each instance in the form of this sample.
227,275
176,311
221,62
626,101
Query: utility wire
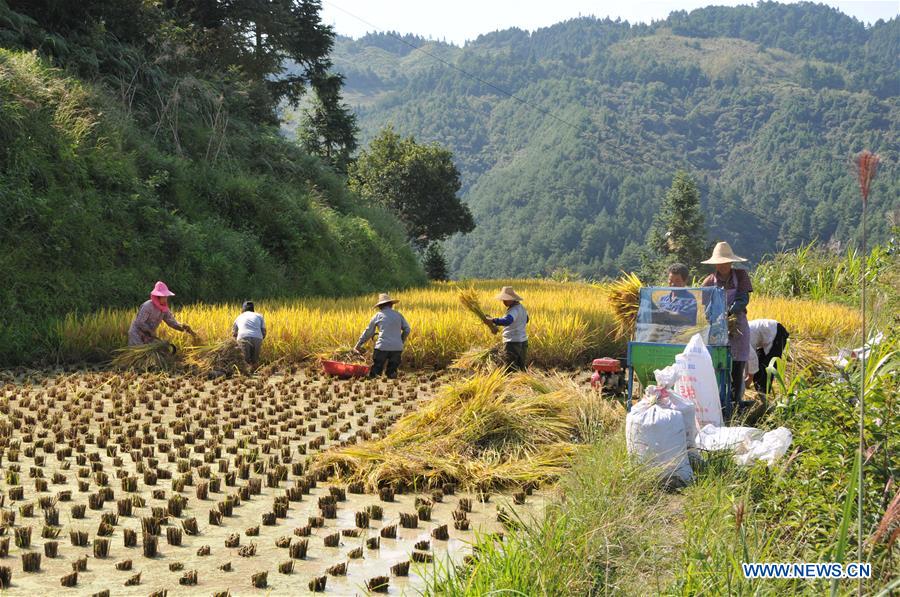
586,134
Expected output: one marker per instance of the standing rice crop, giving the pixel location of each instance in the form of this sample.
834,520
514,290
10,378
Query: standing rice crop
570,323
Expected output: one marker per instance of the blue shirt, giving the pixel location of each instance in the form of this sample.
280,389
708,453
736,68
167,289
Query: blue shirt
678,307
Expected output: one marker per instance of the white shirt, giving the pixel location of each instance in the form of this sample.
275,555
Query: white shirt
249,324
762,336
515,331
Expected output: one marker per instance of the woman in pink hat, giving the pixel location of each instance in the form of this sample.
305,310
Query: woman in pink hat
151,314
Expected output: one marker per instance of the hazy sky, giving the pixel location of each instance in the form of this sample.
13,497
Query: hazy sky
460,20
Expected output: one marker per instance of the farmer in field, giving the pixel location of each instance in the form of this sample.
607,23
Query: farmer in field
768,339
393,330
737,286
249,329
515,339
151,314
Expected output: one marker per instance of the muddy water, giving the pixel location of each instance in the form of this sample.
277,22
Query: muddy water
44,414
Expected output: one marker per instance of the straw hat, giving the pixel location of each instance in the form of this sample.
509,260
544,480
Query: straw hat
385,299
160,289
508,294
723,254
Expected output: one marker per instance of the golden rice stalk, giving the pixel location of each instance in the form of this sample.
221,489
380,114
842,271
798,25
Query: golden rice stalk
344,354
807,355
479,358
733,329
155,356
469,299
492,430
226,356
624,297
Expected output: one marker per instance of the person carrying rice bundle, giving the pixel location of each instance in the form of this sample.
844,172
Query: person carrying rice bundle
151,314
515,338
737,286
393,330
249,329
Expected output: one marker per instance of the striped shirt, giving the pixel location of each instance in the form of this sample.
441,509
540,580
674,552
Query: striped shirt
148,318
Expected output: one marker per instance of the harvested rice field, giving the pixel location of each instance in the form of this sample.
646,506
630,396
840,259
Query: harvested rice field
148,484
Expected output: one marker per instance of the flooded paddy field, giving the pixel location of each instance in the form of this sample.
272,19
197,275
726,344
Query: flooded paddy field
143,484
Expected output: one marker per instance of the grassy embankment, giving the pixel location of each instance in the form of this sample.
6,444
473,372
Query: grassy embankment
100,196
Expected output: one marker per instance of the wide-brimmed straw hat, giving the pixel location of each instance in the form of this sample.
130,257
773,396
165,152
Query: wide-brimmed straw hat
723,254
385,299
508,294
160,289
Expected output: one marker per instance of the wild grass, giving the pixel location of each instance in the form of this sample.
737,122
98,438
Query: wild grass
570,323
811,271
607,535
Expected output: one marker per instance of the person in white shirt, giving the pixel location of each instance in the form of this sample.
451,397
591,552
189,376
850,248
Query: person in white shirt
249,329
515,338
767,341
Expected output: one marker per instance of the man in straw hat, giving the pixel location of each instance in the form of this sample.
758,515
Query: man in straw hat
515,340
151,314
393,330
737,286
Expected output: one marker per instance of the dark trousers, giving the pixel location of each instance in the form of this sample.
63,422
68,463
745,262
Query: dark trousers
391,358
516,354
251,347
761,378
737,381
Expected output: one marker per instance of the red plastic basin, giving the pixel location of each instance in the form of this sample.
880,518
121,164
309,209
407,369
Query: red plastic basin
345,370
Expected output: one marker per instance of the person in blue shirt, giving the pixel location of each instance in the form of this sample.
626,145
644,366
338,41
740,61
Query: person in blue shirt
393,330
515,339
678,307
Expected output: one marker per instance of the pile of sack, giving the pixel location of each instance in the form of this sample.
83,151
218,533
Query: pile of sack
682,413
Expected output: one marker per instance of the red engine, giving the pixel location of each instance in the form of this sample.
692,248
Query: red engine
608,374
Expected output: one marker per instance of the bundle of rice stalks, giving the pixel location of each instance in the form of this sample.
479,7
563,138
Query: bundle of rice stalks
226,356
490,431
733,329
156,356
469,299
624,297
344,354
478,359
807,355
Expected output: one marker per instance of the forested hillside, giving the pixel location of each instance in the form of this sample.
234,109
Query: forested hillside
763,105
139,143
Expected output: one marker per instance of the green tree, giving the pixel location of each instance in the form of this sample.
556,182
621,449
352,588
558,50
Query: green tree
679,231
435,263
418,182
329,126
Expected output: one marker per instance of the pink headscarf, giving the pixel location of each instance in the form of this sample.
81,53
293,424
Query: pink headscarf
160,289
158,304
